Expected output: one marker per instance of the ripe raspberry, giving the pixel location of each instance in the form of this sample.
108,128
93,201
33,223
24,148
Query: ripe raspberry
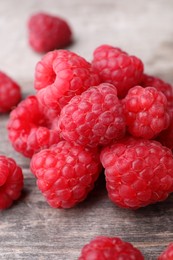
138,172
167,254
48,32
109,248
94,117
160,85
10,93
60,75
11,181
28,129
117,67
66,173
146,112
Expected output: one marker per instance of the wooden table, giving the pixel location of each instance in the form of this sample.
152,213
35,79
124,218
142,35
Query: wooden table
30,229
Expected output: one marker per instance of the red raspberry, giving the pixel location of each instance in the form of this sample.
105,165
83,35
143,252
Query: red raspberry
28,129
10,93
109,248
48,32
167,254
160,85
94,117
11,181
138,172
117,67
66,173
146,112
60,75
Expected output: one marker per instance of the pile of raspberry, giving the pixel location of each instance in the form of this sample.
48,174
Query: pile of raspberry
86,118
106,117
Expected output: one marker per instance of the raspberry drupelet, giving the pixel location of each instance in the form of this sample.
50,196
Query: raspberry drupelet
138,172
93,118
28,128
160,85
167,254
117,67
66,173
10,93
146,112
166,136
60,75
11,181
48,32
109,248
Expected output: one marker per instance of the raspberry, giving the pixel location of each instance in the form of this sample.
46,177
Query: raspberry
10,93
93,118
146,112
48,32
60,75
138,172
28,129
167,254
11,181
160,85
109,248
118,68
65,173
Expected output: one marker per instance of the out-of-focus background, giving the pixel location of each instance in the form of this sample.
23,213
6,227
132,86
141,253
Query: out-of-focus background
143,28
31,229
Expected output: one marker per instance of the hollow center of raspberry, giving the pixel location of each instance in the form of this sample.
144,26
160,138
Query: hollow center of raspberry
52,77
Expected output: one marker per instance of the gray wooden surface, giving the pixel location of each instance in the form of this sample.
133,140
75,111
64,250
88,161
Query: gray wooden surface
30,229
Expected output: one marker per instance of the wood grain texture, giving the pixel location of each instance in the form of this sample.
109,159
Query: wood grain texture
30,229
